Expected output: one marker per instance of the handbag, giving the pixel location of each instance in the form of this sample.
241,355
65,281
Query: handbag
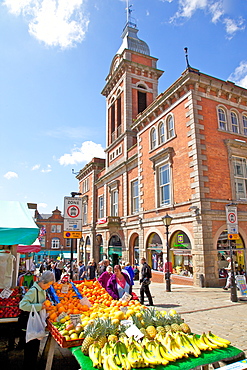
35,326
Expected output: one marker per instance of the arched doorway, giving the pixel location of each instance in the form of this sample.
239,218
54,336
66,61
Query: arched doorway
115,250
181,256
99,245
238,252
136,251
154,252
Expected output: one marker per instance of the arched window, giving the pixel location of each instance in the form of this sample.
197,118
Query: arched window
245,124
161,133
234,121
170,127
141,99
153,138
222,119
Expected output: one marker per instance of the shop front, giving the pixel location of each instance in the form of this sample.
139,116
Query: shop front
238,254
154,252
115,250
181,256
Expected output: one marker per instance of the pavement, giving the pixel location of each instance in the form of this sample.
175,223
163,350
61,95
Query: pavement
203,309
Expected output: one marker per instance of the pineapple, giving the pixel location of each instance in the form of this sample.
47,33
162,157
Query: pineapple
175,327
91,333
144,332
101,341
167,328
185,328
151,331
113,338
161,329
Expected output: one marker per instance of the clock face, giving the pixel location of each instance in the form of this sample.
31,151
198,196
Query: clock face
116,64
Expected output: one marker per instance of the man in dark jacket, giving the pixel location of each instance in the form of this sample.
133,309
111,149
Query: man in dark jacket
145,281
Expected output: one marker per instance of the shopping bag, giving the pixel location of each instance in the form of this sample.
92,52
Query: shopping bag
43,316
35,326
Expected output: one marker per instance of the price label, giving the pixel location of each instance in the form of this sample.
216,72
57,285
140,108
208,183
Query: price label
6,293
85,301
76,319
65,288
133,331
124,309
126,297
126,322
61,316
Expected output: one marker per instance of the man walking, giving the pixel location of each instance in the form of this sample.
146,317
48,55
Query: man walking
145,281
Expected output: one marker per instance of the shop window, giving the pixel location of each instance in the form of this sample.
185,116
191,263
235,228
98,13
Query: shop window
155,254
181,258
238,254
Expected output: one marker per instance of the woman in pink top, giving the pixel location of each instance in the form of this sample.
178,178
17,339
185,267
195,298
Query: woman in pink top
119,283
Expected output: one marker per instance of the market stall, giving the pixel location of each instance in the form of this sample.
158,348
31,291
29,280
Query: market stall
16,227
123,334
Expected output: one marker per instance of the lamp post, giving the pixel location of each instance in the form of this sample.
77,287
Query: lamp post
234,296
167,222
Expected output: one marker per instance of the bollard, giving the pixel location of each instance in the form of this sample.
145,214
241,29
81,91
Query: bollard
201,281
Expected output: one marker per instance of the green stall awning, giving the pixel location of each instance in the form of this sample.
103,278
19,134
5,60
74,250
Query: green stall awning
16,224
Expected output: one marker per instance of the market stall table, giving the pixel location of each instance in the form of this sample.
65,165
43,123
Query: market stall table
227,355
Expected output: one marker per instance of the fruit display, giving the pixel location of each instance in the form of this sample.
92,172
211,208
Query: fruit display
127,353
9,306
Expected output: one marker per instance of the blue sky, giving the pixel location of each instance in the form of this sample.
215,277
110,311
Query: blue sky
55,56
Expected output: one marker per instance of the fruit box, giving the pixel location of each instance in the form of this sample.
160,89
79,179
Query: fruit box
60,339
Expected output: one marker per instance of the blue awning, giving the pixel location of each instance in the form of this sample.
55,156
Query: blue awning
16,224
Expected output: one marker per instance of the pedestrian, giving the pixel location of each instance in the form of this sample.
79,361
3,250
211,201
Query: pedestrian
55,271
82,270
91,270
36,297
128,268
59,266
75,272
105,276
145,281
229,271
119,283
103,266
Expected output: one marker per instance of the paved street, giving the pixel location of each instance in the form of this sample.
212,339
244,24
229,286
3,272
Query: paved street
202,308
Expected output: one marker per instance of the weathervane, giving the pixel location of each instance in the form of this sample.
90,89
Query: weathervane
129,17
186,57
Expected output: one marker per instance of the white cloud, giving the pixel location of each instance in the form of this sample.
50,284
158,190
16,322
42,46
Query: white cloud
239,76
35,167
48,169
10,175
232,26
41,205
85,153
55,22
218,11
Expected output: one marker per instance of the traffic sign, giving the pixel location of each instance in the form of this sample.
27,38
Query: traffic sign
233,236
72,234
72,208
231,220
72,225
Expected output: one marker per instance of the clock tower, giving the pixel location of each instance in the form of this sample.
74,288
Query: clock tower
131,86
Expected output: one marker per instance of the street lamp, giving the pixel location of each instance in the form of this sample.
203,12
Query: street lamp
167,222
234,296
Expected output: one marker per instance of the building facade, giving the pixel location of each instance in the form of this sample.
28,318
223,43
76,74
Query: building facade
183,153
52,242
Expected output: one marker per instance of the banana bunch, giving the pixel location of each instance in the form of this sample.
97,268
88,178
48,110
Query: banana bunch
115,356
95,355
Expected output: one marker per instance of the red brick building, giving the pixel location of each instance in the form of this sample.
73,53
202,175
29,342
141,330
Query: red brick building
53,244
182,152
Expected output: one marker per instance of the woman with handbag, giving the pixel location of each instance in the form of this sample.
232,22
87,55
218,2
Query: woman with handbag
36,297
